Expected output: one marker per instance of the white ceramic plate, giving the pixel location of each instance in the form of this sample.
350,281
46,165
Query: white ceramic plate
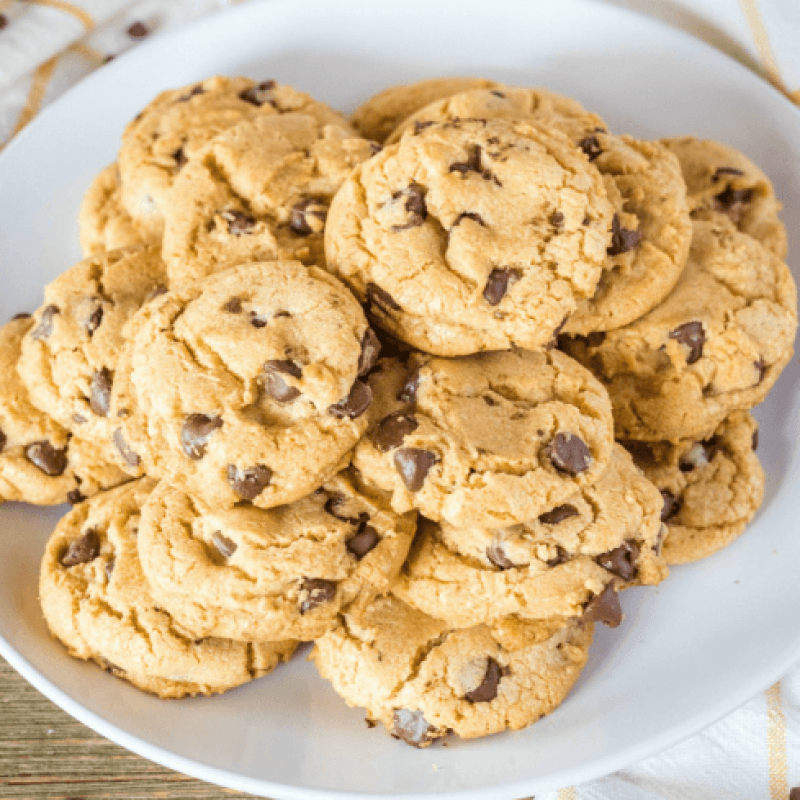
688,652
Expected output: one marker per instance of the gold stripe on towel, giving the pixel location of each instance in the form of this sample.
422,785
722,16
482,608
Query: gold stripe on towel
776,744
41,79
69,8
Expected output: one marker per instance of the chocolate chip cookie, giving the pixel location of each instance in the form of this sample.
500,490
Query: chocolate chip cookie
721,180
471,235
716,344
98,603
423,680
245,387
490,440
248,573
711,488
258,191
552,566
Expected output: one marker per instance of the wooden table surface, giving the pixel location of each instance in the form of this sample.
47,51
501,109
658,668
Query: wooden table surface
47,755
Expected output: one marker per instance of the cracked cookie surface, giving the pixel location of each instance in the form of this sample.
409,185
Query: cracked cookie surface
491,440
711,488
423,680
249,573
471,235
716,344
97,602
258,191
245,387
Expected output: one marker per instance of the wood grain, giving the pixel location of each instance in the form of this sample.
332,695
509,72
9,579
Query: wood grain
47,755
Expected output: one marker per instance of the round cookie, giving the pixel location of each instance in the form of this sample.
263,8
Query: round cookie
721,181
97,602
250,573
551,566
103,224
716,344
167,134
40,461
490,440
258,191
711,488
381,114
423,680
245,387
69,357
538,106
471,235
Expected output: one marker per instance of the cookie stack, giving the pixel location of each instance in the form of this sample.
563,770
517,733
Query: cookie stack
359,383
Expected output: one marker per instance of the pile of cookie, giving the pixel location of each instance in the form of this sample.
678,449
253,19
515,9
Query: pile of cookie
428,387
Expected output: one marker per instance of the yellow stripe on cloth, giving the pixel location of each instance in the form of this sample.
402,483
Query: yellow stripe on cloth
84,16
568,794
41,80
776,744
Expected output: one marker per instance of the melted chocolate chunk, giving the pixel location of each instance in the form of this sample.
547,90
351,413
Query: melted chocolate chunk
308,216
93,323
413,465
498,557
415,207
487,691
733,202
257,321
469,215
411,727
45,326
594,339
238,223
392,429
180,158
621,561
500,279
4,439
381,299
473,164
364,541
671,507
100,391
258,95
47,458
569,453
355,404
225,545
82,550
195,433
755,440
591,147
761,367
622,239
233,306
74,497
275,386
249,483
130,458
700,454
691,335
408,393
720,171
604,608
370,350
420,126
317,591
556,219
561,557
558,514
195,90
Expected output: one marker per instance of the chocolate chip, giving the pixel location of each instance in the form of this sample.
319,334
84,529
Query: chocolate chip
553,343
238,223
225,545
249,483
561,557
622,239
762,370
469,215
74,497
591,147
411,727
413,465
334,506
275,386
317,591
258,95
733,202
408,393
604,608
93,323
621,561
4,439
130,458
195,433
370,350
370,723
671,507
100,391
420,126
82,550
700,454
180,157
498,557
47,458
594,339
556,219
257,321
138,30
45,326
195,90
691,335
487,691
725,171
21,315
392,429
755,440
473,164
308,216
569,453
381,299
415,207
364,541
558,514
356,403
500,279
233,306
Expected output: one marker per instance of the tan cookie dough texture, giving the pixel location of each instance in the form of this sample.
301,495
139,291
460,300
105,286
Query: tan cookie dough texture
97,602
40,461
69,357
258,191
103,224
249,573
423,680
471,236
490,440
712,488
246,386
551,566
380,115
716,344
721,181
169,131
